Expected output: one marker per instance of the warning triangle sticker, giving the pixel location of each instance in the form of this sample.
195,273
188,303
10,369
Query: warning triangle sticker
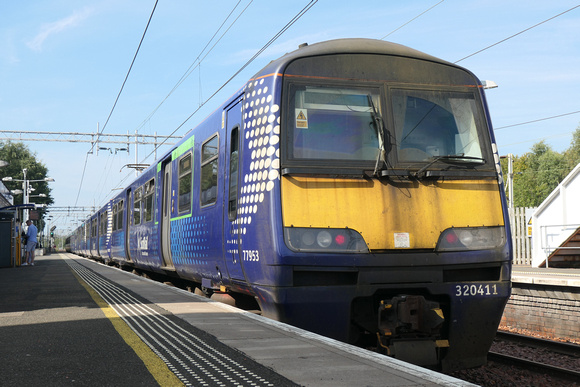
301,118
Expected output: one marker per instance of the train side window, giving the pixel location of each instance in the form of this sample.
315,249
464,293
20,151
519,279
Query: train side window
233,189
103,223
184,199
114,217
94,227
137,206
148,203
209,171
121,213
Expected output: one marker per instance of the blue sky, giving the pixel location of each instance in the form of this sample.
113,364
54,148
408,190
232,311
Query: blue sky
62,64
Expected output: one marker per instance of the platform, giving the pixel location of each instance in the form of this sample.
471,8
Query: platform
69,320
544,301
546,276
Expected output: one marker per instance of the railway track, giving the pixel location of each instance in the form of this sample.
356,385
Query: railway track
569,349
532,353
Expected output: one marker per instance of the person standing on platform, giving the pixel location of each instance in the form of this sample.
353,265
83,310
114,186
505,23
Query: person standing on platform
31,243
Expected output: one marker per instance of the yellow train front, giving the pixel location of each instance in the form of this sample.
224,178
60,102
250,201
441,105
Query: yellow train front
386,210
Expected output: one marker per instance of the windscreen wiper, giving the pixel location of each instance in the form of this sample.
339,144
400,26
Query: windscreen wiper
379,127
450,158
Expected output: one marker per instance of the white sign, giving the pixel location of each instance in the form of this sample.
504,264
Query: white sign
402,240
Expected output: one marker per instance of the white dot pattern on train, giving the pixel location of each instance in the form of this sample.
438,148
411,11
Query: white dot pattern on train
262,139
196,232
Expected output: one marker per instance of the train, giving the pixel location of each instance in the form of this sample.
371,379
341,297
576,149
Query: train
352,188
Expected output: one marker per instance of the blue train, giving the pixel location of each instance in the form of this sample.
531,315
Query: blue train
352,187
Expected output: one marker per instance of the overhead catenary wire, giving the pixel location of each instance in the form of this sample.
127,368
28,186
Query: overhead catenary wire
416,17
188,71
519,33
197,62
258,53
538,120
508,38
116,99
130,68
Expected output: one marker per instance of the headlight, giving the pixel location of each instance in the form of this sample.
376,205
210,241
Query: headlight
328,240
324,239
471,238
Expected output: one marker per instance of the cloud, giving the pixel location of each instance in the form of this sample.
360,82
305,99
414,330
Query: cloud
59,26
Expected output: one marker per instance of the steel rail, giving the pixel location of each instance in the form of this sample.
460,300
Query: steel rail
554,371
564,348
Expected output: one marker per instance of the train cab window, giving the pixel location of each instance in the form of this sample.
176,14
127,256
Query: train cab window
184,199
333,123
137,206
148,203
120,214
209,171
435,123
233,189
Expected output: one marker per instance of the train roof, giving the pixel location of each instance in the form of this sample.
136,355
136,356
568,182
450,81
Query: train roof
354,46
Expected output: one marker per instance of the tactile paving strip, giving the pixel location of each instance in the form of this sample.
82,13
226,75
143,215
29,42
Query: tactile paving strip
195,357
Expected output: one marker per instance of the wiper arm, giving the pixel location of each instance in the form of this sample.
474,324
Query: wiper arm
453,158
378,123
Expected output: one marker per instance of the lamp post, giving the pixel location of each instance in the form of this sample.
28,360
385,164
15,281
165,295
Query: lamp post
26,188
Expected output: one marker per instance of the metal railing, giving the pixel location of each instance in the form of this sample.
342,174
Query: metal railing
551,237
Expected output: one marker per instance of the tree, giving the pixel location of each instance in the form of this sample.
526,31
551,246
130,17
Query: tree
537,174
20,157
572,154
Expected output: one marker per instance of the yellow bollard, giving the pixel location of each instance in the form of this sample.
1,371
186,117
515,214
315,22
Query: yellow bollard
18,252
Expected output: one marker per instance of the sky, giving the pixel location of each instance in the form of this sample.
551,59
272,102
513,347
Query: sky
63,64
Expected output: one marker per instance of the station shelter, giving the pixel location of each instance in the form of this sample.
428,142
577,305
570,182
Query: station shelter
10,231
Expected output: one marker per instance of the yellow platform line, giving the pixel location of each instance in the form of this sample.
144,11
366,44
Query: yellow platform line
154,364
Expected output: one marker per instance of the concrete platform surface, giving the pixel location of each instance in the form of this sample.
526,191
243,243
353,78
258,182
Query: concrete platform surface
70,320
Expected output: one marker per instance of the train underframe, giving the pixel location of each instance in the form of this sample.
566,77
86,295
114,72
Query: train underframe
444,326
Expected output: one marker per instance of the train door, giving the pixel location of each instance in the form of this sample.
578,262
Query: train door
233,253
166,209
128,223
